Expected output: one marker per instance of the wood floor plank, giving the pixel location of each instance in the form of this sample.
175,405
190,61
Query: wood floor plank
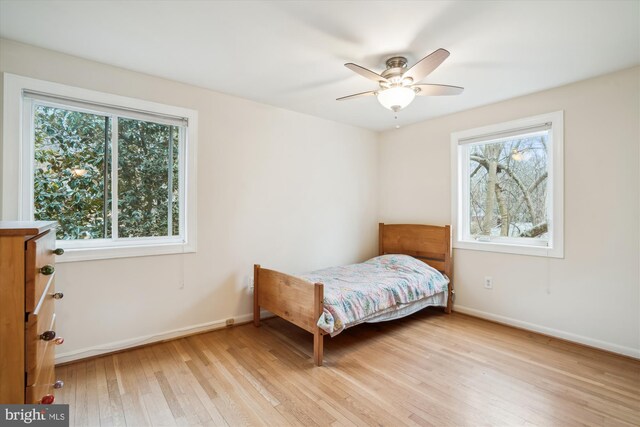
194,412
80,406
117,411
242,380
154,401
93,406
428,369
104,404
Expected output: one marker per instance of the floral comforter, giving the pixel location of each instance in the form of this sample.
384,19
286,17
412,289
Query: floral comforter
354,293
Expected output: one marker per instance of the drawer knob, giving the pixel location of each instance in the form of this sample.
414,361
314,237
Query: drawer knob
47,399
48,335
58,384
58,341
47,270
58,251
58,295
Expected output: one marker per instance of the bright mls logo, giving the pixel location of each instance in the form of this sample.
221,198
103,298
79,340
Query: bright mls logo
34,415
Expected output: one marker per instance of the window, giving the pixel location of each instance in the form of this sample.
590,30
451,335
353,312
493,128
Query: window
118,174
507,189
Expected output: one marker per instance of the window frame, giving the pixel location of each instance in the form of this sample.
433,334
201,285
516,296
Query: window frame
555,193
18,167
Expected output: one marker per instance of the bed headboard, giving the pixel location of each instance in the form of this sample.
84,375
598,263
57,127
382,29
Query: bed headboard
428,243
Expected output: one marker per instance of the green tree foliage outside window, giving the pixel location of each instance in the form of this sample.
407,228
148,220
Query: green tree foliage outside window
143,180
69,172
72,174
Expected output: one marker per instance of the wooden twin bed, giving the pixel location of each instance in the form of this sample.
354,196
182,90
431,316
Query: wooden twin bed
301,302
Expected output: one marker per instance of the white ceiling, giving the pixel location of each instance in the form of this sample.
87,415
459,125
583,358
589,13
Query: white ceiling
291,54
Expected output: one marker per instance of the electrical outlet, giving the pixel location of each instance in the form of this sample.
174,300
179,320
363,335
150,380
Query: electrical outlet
249,282
488,282
229,322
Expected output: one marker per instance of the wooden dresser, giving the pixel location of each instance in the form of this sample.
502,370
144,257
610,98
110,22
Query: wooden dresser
27,312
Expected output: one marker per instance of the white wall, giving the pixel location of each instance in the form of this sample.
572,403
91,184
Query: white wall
593,294
275,187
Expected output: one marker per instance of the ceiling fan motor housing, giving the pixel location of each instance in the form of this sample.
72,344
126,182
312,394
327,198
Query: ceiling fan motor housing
396,67
396,62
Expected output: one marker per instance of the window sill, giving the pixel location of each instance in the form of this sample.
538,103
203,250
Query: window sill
542,251
113,252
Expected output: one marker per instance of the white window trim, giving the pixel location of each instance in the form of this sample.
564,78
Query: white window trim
17,171
555,247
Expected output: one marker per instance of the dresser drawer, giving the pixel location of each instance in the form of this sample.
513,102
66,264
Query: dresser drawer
39,254
40,349
35,393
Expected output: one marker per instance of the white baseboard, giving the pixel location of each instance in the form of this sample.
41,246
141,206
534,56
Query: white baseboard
84,353
219,324
580,339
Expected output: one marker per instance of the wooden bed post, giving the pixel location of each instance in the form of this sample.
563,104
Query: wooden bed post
380,233
448,269
318,337
256,306
452,292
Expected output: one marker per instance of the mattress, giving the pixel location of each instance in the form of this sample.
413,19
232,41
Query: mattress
402,310
382,287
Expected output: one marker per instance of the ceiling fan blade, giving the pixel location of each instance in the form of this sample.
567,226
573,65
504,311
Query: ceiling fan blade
357,95
426,65
437,90
365,72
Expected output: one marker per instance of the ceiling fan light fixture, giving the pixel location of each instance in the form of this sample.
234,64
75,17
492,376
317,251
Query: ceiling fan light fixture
398,84
396,98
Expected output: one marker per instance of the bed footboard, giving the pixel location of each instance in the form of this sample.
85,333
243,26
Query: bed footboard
291,298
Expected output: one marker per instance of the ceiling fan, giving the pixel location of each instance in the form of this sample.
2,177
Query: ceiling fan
398,84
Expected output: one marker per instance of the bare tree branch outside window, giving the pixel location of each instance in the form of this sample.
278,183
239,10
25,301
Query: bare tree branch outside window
508,188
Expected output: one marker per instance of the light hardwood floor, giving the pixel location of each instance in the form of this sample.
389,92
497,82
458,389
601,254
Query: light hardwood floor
428,369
